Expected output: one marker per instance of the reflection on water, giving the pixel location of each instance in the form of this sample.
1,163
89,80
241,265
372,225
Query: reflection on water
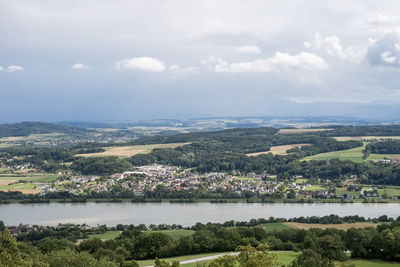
184,214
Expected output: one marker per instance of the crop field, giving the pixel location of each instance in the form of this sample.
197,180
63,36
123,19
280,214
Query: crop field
293,131
8,181
128,151
343,226
278,150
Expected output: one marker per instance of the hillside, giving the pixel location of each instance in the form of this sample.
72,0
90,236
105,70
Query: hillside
28,128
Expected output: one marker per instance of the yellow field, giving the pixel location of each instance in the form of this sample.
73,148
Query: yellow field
278,150
343,226
128,151
361,138
293,131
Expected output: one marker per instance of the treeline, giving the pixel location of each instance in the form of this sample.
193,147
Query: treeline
384,147
319,247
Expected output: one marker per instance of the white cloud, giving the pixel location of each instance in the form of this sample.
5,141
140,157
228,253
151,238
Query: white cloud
141,63
80,66
247,49
388,57
382,19
177,71
14,68
1,68
277,62
329,44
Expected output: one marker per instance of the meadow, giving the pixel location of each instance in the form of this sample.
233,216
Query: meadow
342,226
128,151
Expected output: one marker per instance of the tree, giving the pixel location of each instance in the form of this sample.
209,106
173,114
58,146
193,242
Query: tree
9,252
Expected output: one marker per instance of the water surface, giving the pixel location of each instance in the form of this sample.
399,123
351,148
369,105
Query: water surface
177,213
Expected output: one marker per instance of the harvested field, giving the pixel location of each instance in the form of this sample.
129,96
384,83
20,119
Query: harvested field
293,131
6,182
343,226
128,151
278,150
24,191
366,138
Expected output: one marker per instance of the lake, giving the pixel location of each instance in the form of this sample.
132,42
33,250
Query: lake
184,214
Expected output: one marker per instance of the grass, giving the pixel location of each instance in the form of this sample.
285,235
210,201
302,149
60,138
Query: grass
342,191
175,234
286,257
270,227
368,263
243,178
354,154
301,181
315,188
106,236
128,151
179,258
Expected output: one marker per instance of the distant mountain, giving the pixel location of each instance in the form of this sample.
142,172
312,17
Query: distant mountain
28,128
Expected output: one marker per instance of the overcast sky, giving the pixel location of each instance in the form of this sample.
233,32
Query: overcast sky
124,60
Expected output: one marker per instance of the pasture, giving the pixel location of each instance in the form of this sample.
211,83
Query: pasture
13,181
353,154
368,263
105,236
278,150
129,151
176,234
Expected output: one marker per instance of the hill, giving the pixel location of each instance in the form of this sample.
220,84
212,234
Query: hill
28,128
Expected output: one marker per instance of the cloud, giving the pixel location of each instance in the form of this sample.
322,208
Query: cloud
178,71
14,68
385,51
247,49
329,44
80,66
277,62
1,68
382,20
141,63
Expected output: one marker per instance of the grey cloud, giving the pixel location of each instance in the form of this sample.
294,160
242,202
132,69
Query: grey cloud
385,51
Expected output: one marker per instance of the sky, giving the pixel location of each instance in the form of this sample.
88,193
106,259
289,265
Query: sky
127,60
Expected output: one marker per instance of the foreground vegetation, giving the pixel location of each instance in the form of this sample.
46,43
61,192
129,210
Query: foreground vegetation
257,244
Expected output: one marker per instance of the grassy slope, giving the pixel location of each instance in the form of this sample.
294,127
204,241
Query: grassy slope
175,234
369,263
107,235
269,227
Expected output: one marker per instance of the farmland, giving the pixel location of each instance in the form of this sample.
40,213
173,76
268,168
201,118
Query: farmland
354,154
362,138
278,150
128,151
24,182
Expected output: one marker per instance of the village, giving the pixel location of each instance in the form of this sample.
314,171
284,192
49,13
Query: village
174,179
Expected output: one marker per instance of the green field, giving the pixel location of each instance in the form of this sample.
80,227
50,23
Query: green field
354,154
342,191
269,227
369,263
315,188
285,257
175,234
107,235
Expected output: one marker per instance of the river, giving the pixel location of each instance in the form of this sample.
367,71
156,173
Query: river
184,214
